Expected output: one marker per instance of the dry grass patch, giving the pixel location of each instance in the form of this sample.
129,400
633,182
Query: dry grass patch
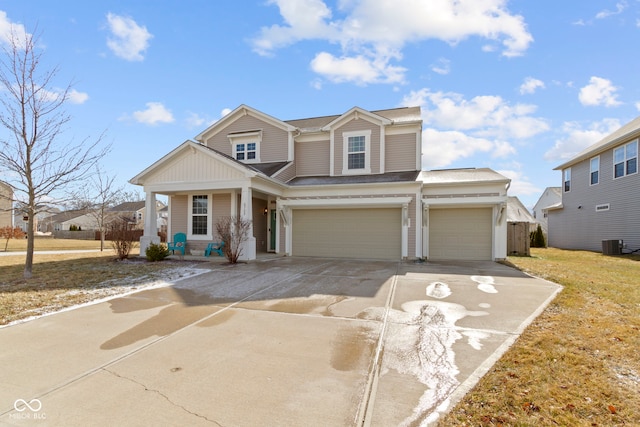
51,244
577,364
65,280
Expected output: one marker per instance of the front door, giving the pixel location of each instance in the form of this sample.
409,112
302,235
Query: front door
272,231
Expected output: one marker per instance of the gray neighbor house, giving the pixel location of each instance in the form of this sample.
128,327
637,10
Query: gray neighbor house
600,195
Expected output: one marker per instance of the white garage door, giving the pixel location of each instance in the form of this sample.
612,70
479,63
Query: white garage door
347,233
464,234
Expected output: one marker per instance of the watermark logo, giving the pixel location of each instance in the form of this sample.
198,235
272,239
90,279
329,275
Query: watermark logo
28,410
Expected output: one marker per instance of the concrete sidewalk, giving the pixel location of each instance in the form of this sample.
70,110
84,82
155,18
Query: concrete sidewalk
290,341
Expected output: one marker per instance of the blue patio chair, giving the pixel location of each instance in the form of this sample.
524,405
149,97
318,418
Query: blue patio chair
179,243
214,247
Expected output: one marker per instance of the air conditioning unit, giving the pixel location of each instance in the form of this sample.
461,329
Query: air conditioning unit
612,247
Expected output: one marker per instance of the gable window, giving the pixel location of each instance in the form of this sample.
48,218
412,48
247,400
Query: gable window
200,215
567,180
246,146
357,152
594,171
625,159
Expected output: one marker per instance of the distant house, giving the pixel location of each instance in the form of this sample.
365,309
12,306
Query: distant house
551,198
342,186
517,212
600,194
134,212
68,220
6,205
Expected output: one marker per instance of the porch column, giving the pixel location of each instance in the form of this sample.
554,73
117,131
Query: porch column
150,224
246,214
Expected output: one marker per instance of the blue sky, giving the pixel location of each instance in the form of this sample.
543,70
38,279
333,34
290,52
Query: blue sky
517,86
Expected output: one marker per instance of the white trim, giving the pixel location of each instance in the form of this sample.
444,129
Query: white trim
383,143
591,171
332,153
246,138
367,152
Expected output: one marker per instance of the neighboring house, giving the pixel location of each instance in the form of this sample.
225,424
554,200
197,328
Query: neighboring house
347,185
66,220
600,194
134,212
6,205
517,212
550,198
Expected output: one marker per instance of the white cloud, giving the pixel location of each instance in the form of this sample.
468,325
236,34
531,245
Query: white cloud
638,105
530,85
9,28
154,114
457,128
576,138
442,66
520,184
599,91
359,70
225,111
372,33
128,39
620,7
76,97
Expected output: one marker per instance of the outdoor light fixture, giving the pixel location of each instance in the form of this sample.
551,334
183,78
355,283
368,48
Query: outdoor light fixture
266,211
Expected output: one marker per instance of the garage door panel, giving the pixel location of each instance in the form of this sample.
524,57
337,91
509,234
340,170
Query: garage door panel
347,233
464,234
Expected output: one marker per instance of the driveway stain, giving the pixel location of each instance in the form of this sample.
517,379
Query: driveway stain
353,347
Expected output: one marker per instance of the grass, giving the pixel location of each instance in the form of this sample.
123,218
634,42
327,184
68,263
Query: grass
63,280
577,364
50,244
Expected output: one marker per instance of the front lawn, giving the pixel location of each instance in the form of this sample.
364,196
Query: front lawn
578,363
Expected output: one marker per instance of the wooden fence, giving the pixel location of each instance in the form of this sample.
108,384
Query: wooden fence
518,242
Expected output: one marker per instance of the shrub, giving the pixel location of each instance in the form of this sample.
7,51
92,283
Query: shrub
123,238
156,252
537,239
233,231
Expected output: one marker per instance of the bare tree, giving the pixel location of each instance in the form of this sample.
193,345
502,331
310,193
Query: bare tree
38,161
97,197
233,232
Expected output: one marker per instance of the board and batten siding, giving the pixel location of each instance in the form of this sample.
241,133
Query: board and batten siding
579,226
400,152
273,147
352,126
312,158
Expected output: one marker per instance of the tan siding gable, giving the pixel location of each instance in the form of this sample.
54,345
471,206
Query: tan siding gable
312,158
289,172
274,144
193,166
400,152
357,125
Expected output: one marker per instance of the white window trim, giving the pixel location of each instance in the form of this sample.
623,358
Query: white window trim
367,153
592,171
209,235
246,138
564,180
625,159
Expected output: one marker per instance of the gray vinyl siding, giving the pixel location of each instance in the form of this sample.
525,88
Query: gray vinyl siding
356,125
312,158
274,144
400,152
584,228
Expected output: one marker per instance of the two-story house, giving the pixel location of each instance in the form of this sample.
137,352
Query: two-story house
600,194
551,198
348,185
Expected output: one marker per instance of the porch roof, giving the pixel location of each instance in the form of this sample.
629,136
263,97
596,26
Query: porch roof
409,176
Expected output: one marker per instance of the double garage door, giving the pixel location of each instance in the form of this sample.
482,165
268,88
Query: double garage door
348,233
464,234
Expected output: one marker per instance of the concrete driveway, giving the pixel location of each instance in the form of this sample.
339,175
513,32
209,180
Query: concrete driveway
285,342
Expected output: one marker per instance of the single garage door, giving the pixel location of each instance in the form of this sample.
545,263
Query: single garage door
348,233
464,234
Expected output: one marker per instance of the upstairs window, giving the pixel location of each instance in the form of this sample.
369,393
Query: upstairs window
246,146
595,171
567,180
625,159
356,153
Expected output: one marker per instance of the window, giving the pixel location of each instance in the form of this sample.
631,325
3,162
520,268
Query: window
357,157
246,145
594,171
625,159
246,151
567,180
199,215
